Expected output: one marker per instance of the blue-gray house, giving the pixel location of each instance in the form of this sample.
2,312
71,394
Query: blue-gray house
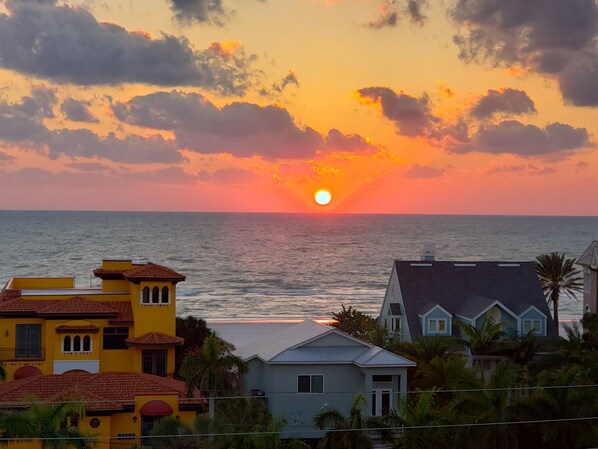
305,367
426,297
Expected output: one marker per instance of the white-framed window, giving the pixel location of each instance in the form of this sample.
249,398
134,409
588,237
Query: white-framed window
76,344
437,325
529,325
310,383
395,325
155,295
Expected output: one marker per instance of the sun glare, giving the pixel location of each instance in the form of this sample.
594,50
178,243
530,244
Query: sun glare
323,197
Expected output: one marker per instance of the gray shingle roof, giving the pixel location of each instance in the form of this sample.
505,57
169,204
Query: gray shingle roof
466,288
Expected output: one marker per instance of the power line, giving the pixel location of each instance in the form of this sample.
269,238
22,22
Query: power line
297,431
283,394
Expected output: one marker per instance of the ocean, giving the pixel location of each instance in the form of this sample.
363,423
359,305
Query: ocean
273,266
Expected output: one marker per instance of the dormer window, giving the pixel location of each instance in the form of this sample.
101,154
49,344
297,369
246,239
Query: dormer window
437,326
532,325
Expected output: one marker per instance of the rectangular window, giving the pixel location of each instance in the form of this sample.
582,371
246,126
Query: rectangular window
437,326
381,378
310,383
28,341
529,325
153,361
114,337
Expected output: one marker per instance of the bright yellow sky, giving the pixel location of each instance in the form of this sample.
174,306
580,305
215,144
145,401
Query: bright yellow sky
164,105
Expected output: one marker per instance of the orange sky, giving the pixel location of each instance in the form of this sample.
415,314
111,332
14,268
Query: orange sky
393,106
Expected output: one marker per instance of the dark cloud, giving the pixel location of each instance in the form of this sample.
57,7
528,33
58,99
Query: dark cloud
241,129
422,172
68,45
23,121
132,149
552,37
337,141
507,101
229,176
288,80
513,137
411,116
77,111
390,11
202,11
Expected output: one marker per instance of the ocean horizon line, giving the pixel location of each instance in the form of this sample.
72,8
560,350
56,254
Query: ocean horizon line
323,213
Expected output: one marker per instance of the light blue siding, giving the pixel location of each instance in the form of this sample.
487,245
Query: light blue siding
533,314
510,324
437,314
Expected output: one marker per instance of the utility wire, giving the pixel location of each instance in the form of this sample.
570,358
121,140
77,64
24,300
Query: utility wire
284,394
297,431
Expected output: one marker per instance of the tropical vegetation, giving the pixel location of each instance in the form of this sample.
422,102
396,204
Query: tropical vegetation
558,275
51,424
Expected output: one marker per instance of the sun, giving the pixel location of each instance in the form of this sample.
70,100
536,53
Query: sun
323,197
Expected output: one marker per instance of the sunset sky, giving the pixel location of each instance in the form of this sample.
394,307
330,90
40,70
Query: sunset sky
394,106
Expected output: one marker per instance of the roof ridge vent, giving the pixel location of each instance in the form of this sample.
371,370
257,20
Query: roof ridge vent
465,264
509,265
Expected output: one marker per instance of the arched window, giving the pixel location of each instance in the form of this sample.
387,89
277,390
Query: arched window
66,344
155,295
145,295
87,343
77,344
165,293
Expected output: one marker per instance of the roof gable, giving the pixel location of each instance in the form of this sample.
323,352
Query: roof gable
468,288
589,258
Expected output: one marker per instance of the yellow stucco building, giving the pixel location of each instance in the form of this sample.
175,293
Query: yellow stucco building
112,347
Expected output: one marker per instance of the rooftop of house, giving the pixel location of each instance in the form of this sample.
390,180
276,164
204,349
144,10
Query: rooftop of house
102,391
291,345
115,311
589,258
468,288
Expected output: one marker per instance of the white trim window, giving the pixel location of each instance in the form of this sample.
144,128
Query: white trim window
76,344
437,325
532,325
310,383
152,296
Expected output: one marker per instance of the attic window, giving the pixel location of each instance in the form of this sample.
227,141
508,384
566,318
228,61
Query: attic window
465,265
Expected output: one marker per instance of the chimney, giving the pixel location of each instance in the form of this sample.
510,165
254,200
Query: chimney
428,252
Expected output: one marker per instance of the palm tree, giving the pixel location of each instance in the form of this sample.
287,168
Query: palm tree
415,414
48,423
484,340
496,404
213,369
346,432
558,275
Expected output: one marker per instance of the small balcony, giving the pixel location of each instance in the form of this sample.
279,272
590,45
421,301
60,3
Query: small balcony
35,353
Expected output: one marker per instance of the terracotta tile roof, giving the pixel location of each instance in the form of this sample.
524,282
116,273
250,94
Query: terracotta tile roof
124,310
116,311
101,391
6,295
141,272
155,338
152,271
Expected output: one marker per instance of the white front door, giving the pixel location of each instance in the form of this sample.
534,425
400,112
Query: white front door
381,401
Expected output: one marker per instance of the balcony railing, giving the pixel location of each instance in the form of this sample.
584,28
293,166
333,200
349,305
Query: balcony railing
19,354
